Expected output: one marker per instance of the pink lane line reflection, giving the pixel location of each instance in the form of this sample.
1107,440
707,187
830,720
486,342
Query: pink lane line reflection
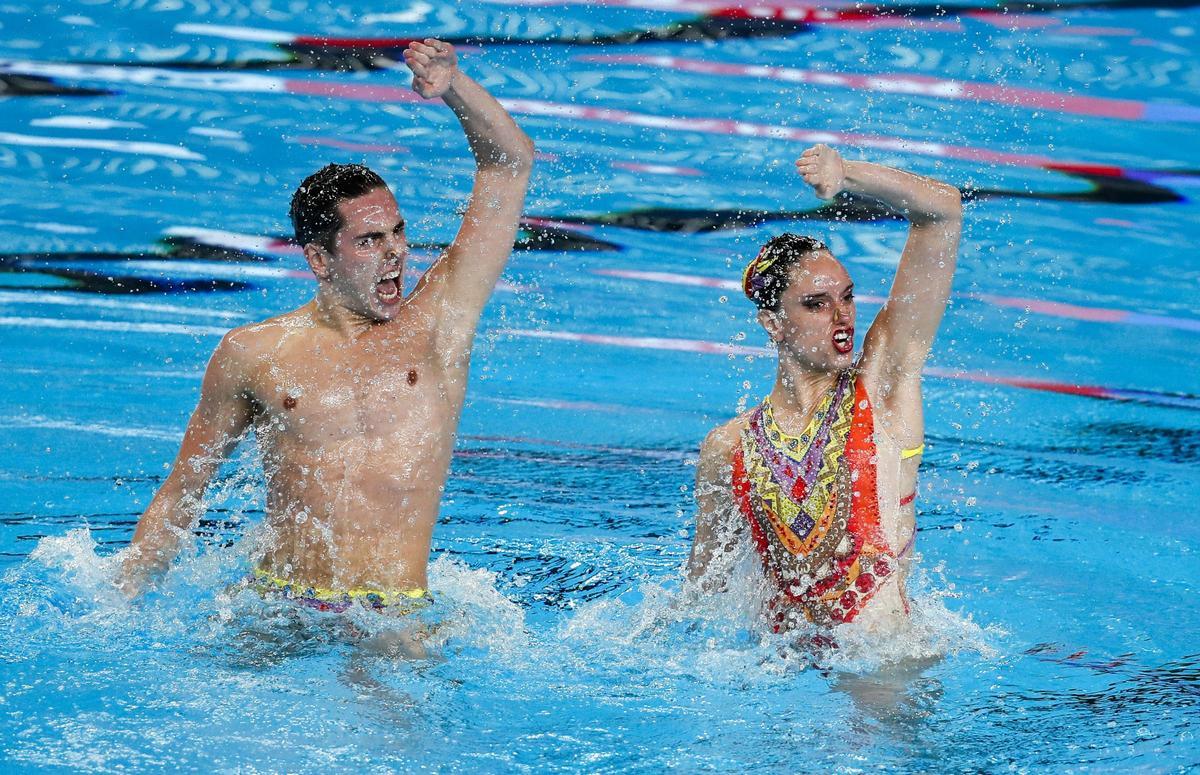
897,22
1056,309
265,84
354,91
1091,314
723,126
640,342
672,278
719,348
1013,21
919,85
1095,32
673,6
701,282
1049,308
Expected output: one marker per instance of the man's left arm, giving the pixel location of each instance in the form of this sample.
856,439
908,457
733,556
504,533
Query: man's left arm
463,278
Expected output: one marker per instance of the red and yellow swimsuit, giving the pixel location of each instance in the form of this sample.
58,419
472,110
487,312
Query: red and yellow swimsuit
813,507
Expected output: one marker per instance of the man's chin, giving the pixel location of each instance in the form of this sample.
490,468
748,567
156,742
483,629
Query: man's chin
385,313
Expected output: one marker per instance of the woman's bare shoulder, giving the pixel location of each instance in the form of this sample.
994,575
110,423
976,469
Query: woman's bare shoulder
722,439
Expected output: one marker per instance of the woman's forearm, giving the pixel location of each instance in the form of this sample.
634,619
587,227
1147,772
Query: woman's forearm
920,199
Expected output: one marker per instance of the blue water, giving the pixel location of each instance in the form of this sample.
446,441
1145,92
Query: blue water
1056,627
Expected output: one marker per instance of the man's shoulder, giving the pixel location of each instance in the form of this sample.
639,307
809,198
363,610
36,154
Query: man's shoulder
247,342
269,331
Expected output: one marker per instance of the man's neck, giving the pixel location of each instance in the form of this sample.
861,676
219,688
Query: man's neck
329,312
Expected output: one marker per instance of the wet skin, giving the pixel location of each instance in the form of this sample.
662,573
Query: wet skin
355,397
356,432
356,466
818,303
813,332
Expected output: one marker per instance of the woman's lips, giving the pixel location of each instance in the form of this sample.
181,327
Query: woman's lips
843,340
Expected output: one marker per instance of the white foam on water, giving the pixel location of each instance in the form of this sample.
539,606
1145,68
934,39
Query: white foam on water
68,585
473,612
662,627
61,228
724,637
248,34
226,134
79,570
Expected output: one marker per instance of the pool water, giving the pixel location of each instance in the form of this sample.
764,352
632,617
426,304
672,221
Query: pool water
147,153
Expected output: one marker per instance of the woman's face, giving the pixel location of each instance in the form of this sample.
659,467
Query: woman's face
814,325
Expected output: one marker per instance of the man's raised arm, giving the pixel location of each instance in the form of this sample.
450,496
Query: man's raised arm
221,416
465,276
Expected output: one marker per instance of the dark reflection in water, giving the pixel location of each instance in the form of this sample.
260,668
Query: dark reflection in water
1143,441
59,275
546,579
1101,189
74,270
37,86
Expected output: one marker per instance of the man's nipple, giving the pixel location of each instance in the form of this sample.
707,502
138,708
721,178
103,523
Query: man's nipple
289,402
412,376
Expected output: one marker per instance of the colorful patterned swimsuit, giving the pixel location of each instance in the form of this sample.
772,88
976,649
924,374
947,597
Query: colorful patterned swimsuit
813,509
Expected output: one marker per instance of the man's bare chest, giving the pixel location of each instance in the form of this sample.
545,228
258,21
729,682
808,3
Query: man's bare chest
375,395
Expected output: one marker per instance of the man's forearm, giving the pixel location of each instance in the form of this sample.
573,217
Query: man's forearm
495,139
157,538
920,199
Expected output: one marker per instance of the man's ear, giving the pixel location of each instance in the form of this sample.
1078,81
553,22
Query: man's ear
773,323
318,260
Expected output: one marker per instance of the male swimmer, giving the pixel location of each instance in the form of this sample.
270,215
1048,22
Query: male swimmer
354,397
821,476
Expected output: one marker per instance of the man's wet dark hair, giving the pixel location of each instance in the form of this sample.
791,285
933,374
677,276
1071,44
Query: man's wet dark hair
314,210
767,276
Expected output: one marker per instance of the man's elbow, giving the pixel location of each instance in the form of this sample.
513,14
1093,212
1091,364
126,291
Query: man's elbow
514,159
522,161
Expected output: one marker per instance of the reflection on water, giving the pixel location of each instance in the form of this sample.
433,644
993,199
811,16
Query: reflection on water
899,699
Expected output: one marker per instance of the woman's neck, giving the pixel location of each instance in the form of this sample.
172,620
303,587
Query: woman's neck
797,392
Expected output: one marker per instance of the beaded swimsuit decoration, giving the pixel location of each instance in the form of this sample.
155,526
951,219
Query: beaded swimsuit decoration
812,506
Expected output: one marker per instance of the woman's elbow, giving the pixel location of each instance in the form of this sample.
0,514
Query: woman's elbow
949,203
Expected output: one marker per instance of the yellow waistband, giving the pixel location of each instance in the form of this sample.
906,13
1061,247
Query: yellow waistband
905,454
383,597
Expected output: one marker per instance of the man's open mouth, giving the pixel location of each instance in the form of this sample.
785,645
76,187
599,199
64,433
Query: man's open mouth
388,287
